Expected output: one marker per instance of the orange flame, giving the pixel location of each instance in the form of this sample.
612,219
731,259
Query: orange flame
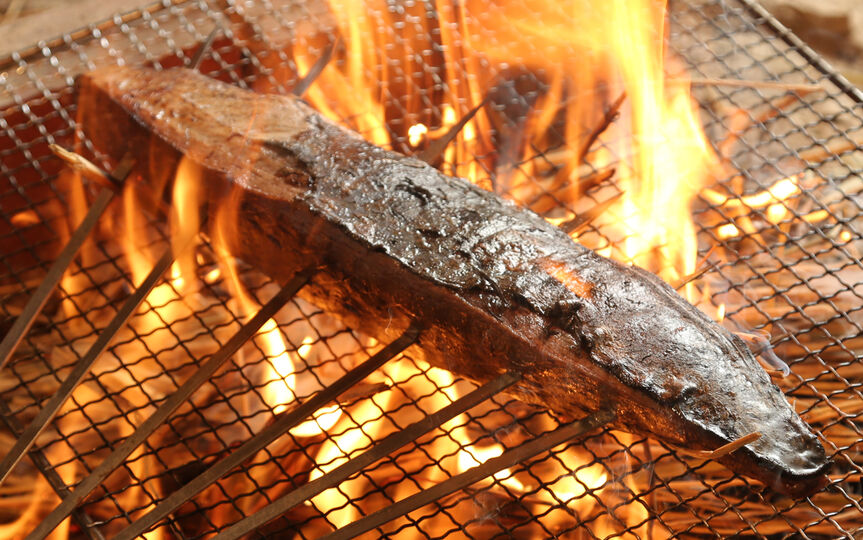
657,147
661,154
665,159
672,159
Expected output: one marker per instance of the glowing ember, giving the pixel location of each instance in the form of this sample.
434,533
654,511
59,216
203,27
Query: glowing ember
779,191
279,390
728,230
416,134
25,218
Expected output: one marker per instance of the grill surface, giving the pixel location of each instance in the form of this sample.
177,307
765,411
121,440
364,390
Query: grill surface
801,283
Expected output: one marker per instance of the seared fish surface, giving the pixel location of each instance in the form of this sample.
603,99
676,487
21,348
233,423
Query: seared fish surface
495,286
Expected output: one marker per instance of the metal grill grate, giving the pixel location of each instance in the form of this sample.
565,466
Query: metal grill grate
800,282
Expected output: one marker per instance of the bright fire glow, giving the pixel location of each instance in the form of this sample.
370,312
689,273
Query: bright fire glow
779,191
672,159
664,157
416,134
572,487
279,375
185,220
471,456
165,298
619,47
661,157
280,367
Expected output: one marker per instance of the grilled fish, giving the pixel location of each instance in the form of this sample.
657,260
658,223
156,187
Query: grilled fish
495,286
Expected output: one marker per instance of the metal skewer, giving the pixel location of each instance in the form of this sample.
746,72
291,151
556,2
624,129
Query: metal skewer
492,466
316,69
204,48
202,375
45,468
437,146
46,414
49,410
270,434
380,450
36,302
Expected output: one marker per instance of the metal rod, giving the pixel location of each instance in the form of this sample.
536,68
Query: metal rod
270,434
49,409
204,48
437,146
471,476
116,458
44,467
695,275
316,69
578,224
36,302
384,448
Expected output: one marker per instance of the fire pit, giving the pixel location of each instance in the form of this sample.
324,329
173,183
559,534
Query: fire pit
774,256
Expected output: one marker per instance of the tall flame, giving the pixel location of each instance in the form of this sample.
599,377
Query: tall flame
605,48
589,53
672,159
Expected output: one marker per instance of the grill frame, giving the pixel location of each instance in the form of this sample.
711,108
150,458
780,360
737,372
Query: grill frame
167,11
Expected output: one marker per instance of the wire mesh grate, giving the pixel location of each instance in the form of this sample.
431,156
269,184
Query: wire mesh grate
789,275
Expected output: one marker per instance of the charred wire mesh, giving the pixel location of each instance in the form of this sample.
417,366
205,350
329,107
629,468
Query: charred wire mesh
791,271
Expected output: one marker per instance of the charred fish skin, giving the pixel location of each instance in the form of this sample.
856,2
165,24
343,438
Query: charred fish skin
495,286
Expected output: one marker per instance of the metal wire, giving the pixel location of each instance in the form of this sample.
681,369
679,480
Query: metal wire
797,281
